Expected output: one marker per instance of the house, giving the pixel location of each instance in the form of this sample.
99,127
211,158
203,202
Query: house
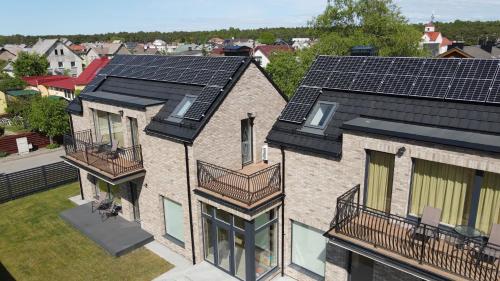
78,49
108,50
366,145
9,51
61,58
235,50
142,49
160,45
433,40
301,43
485,50
3,103
263,53
38,83
178,121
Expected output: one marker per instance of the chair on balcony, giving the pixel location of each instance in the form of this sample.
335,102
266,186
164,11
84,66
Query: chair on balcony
113,153
427,227
489,252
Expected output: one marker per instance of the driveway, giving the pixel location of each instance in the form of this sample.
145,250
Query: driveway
14,163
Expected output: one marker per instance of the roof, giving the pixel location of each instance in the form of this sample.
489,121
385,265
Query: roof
18,93
167,79
77,48
42,46
41,80
107,48
478,52
433,35
267,50
68,83
91,71
446,42
428,106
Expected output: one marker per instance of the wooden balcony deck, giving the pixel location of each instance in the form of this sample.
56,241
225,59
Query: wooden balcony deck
99,163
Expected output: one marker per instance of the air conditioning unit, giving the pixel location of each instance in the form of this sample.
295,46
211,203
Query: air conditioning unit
265,149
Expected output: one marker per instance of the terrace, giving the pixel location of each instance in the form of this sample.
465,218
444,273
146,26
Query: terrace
447,255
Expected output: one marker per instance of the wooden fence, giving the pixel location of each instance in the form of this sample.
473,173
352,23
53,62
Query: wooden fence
23,183
8,143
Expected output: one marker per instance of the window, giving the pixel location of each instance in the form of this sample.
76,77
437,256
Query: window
379,180
55,52
321,114
73,64
308,248
183,106
108,127
62,52
60,64
174,221
110,191
488,211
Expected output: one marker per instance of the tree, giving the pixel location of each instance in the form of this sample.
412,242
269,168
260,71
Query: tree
30,64
343,25
267,38
10,83
48,116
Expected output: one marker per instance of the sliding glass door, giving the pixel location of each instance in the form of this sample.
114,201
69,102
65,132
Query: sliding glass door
108,127
379,181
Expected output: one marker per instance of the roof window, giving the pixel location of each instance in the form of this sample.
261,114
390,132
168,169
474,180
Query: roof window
321,115
181,109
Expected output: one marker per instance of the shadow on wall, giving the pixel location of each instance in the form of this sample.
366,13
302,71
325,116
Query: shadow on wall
5,274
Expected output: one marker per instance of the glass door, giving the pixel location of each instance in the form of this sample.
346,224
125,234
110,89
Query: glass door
135,201
223,248
246,142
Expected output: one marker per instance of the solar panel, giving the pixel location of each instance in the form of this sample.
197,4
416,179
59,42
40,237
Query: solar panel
203,77
300,104
367,82
220,78
202,103
340,80
469,89
494,95
316,78
439,67
397,84
325,63
431,87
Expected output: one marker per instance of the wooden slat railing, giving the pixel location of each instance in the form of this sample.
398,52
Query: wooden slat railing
445,249
247,189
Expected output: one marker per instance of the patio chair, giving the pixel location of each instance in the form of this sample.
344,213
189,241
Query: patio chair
489,252
99,202
427,226
112,211
113,153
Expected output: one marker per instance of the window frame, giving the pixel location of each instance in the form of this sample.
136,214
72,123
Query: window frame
301,268
174,116
60,64
315,111
168,236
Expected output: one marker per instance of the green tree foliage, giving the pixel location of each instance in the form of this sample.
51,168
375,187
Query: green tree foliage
343,25
10,83
48,116
267,38
30,64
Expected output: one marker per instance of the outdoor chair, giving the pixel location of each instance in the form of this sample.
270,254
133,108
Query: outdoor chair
489,252
427,227
113,153
99,203
111,211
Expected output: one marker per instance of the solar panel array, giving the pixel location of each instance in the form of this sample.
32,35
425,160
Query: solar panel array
211,72
474,80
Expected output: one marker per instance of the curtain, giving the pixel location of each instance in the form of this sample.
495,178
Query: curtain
380,174
442,186
116,128
102,127
488,211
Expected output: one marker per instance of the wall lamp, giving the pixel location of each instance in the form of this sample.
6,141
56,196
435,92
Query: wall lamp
401,151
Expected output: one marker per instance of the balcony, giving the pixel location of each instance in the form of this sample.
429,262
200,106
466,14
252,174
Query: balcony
446,254
249,187
81,151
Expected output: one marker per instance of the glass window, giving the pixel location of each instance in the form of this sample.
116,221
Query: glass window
116,128
110,191
72,64
239,222
320,115
60,64
308,248
239,256
102,127
266,249
134,131
223,215
442,186
264,218
488,212
62,52
183,106
55,52
208,242
207,209
174,219
223,248
108,127
379,181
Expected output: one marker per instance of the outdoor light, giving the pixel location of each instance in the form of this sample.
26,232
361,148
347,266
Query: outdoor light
121,113
401,151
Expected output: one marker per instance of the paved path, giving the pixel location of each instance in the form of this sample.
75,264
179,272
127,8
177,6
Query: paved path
14,163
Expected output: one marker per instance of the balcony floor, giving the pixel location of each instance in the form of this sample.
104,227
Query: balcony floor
444,253
102,165
115,235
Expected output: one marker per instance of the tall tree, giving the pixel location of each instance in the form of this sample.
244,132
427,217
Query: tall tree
30,64
48,116
343,25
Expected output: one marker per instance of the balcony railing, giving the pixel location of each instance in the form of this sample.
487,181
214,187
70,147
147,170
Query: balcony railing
81,147
445,250
245,188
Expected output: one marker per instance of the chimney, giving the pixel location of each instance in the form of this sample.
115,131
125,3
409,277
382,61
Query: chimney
363,51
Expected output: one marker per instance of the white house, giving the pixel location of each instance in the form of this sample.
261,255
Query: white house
434,41
160,45
301,43
61,58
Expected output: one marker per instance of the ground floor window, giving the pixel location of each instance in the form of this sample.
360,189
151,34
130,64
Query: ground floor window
245,249
362,268
174,221
308,248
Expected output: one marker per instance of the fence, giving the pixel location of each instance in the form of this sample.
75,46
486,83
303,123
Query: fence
23,183
8,143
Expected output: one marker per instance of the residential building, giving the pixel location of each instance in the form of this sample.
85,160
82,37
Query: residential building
3,103
235,50
301,43
90,72
366,145
108,50
141,49
485,50
263,53
61,58
186,120
9,52
38,83
160,45
433,40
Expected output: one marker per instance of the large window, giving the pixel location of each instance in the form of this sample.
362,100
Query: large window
183,106
174,221
379,181
488,211
108,127
308,248
321,114
266,243
109,191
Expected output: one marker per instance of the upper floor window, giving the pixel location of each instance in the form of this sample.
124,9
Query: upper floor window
60,64
321,114
55,52
73,64
183,106
62,52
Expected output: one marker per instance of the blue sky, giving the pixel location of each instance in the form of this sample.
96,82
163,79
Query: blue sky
35,17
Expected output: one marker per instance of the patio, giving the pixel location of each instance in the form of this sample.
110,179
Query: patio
114,234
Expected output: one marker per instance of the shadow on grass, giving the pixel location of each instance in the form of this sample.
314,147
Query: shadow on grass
5,274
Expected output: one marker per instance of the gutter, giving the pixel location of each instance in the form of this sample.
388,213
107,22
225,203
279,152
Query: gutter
186,155
283,212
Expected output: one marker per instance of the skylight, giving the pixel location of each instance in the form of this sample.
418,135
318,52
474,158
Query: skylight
183,106
321,115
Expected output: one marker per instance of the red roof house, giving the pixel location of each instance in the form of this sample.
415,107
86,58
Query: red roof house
264,52
90,72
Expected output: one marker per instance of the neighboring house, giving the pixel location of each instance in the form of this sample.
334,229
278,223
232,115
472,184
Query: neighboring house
175,131
3,103
264,52
90,72
434,41
235,50
61,58
108,50
217,52
38,83
487,50
9,52
141,49
78,49
216,41
366,145
160,45
301,43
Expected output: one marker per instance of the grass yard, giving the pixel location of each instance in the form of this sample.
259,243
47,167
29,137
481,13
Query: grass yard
36,244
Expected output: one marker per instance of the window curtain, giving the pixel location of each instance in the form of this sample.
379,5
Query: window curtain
380,174
442,186
488,211
116,128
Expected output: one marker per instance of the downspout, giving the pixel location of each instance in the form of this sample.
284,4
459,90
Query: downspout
186,155
72,129
283,212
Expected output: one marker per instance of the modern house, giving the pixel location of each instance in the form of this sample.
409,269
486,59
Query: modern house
180,142
367,145
61,58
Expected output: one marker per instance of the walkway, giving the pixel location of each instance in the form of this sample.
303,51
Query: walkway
43,156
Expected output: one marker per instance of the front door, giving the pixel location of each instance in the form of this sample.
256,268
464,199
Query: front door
246,142
134,199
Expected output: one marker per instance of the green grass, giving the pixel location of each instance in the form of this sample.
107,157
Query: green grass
36,244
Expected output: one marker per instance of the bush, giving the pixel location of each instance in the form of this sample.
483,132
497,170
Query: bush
2,131
53,145
3,154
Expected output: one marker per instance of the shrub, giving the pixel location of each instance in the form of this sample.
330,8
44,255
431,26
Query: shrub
3,154
53,145
2,131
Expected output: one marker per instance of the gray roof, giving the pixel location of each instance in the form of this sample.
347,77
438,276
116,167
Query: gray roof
121,99
42,46
477,52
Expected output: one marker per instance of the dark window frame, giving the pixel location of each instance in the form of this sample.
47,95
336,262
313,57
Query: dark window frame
315,110
298,267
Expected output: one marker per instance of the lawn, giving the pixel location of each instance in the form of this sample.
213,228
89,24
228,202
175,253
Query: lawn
36,244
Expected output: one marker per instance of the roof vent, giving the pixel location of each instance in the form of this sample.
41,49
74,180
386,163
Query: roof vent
363,51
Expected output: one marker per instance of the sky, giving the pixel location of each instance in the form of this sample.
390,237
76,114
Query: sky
35,17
